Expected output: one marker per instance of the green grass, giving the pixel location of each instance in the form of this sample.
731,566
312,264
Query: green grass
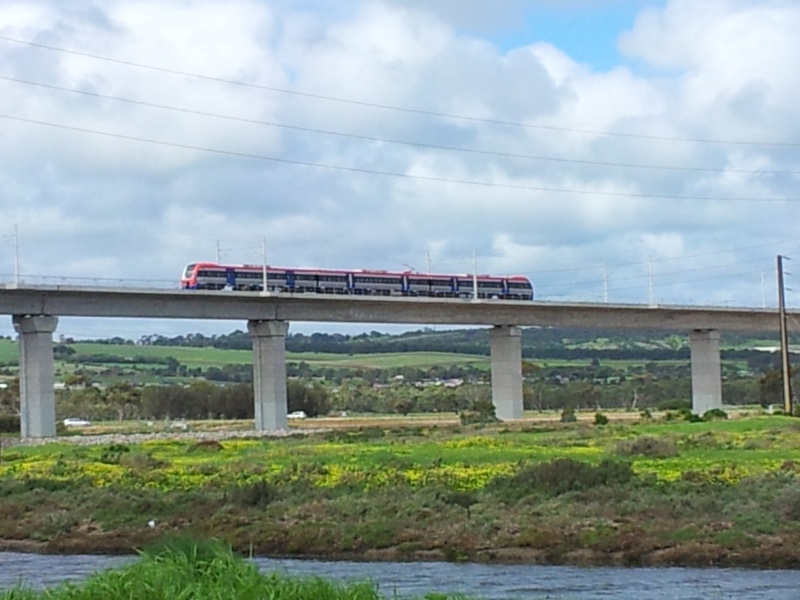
205,571
9,352
731,488
194,357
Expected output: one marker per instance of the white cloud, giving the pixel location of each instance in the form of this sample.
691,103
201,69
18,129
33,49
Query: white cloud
581,168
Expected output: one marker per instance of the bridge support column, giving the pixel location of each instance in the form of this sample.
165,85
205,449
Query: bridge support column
36,375
269,373
506,350
706,373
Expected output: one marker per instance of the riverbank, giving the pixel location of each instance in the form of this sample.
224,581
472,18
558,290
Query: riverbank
664,493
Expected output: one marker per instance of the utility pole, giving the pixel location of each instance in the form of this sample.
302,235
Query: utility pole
474,276
605,283
264,263
786,368
650,283
16,255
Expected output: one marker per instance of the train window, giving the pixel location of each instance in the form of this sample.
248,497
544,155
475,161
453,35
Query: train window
189,271
381,280
518,286
210,273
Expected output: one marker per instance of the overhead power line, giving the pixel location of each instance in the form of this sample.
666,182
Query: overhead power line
671,258
400,142
399,108
491,184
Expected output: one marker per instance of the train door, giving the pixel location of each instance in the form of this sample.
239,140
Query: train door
290,280
230,278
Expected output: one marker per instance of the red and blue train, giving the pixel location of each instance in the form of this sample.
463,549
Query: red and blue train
213,276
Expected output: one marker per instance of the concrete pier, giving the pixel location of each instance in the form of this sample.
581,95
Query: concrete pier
506,354
36,375
269,373
706,372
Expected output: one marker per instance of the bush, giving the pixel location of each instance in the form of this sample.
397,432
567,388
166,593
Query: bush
788,503
560,476
10,424
257,494
568,415
480,411
715,414
112,454
600,419
679,405
648,446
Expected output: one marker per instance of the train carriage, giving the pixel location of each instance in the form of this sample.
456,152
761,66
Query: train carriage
426,284
213,276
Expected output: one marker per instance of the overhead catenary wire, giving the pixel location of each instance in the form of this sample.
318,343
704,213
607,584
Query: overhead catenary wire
491,184
478,151
363,103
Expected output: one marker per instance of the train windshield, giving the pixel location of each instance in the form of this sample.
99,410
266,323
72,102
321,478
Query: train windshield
189,271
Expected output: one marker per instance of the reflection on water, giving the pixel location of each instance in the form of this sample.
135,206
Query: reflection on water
496,582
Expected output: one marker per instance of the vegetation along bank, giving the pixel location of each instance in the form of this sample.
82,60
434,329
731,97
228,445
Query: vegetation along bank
663,491
183,569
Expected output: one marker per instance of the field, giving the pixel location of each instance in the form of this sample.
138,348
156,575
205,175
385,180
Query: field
650,492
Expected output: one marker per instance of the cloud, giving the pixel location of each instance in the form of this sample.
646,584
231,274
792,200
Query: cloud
211,129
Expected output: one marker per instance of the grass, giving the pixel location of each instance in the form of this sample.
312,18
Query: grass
434,491
182,569
9,352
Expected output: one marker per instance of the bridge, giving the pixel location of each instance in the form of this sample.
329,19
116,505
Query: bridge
35,311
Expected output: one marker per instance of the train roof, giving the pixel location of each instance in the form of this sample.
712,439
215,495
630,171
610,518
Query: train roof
368,272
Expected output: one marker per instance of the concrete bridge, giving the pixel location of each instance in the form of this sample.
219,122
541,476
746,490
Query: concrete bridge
35,311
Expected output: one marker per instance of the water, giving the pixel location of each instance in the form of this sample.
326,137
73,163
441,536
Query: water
491,582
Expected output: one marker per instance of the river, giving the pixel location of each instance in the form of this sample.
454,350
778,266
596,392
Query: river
491,582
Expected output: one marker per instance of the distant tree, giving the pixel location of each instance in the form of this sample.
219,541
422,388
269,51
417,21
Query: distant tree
9,398
312,399
124,399
770,388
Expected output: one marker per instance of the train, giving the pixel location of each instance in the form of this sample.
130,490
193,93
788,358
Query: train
362,282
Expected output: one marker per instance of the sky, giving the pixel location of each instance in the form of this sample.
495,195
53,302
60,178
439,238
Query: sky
638,151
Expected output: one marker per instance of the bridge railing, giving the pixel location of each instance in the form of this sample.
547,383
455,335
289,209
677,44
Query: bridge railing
106,282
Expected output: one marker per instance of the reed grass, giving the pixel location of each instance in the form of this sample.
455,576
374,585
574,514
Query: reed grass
189,570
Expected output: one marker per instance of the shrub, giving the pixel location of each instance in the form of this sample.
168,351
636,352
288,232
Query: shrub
140,461
715,414
463,499
111,455
679,405
480,411
568,415
788,503
10,424
600,419
648,446
257,494
207,445
560,476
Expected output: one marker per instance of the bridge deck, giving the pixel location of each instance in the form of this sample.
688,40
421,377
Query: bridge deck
67,301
